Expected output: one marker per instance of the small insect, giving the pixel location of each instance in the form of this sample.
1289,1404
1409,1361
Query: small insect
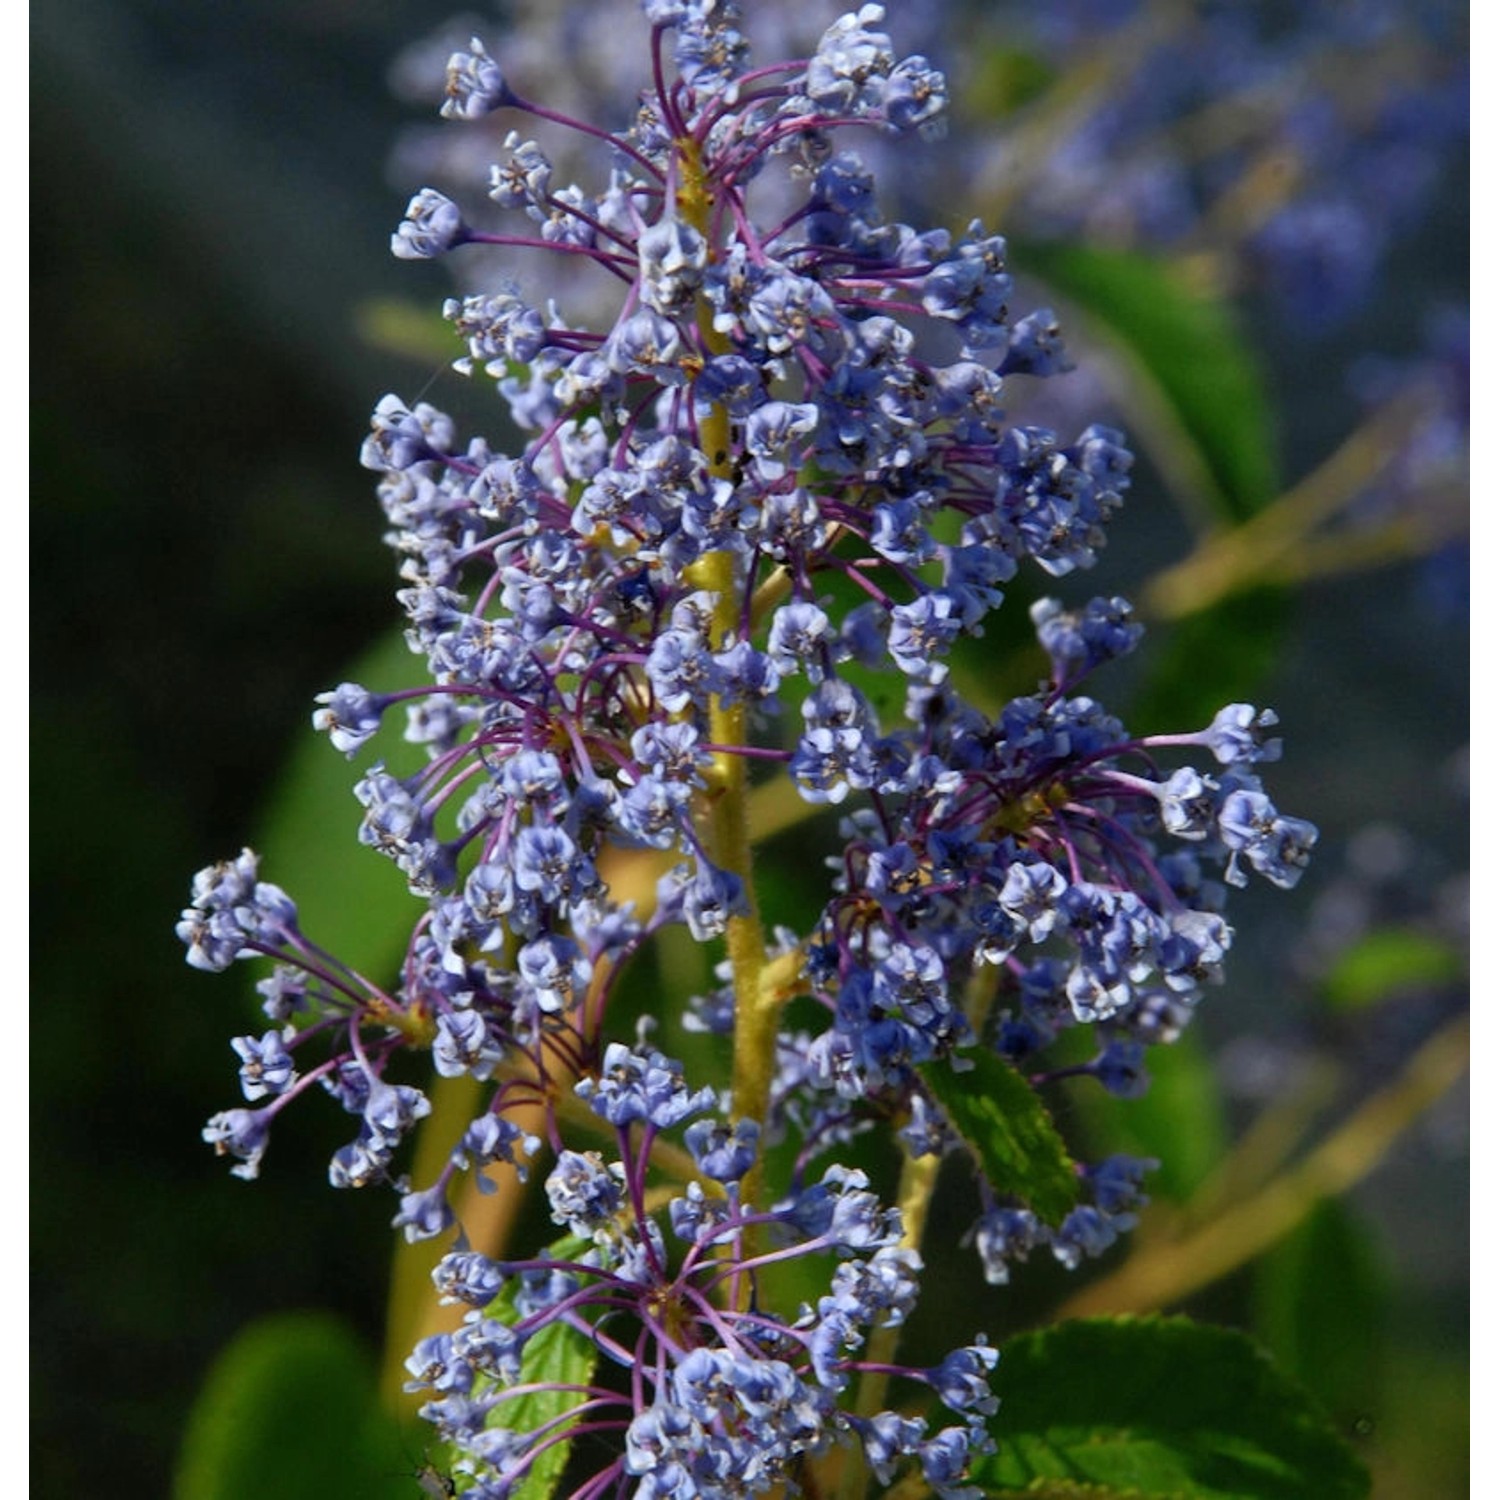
435,1484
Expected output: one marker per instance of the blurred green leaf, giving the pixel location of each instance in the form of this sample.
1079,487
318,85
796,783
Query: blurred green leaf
1387,961
406,328
1422,1431
1196,402
1004,79
1180,1121
557,1354
1220,655
289,1410
1008,1128
1158,1409
1320,1304
352,900
1198,398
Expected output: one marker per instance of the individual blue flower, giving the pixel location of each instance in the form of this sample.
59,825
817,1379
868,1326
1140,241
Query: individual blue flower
489,1347
241,1133
1085,1233
266,1067
475,85
962,1380
468,1277
682,670
555,971
1036,346
235,915
800,632
465,1044
524,180
1238,735
1189,804
424,1215
921,632
640,1084
945,1461
916,96
433,225
349,715
710,899
391,1110
1005,1235
673,257
721,1153
1276,846
490,1139
1078,641
583,1191
847,71
549,863
401,436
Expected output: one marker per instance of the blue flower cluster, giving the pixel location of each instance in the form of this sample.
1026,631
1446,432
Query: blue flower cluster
724,1397
783,414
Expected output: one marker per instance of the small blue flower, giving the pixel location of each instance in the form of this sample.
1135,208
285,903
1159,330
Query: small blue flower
266,1067
433,225
583,1192
475,85
350,715
241,1133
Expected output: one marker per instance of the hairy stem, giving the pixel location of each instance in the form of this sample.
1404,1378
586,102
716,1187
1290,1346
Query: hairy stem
728,813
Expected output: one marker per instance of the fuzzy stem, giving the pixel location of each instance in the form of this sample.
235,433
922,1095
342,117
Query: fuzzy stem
728,813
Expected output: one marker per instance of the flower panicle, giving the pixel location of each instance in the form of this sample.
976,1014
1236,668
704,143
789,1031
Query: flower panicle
783,464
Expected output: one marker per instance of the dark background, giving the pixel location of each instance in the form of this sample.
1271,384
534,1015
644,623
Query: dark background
209,211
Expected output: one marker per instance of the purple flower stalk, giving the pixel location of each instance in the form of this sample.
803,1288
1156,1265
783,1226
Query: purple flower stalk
784,464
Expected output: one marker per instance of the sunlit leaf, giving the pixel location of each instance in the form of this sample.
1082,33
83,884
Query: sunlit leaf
1159,1409
557,1355
1009,1130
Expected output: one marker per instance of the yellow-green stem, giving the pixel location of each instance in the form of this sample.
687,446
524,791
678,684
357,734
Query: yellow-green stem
728,812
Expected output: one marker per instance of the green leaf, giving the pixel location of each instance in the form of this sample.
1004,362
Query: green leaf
290,1408
1159,1409
1320,1301
1387,961
406,328
1180,1121
1003,80
1008,1128
352,900
556,1354
1197,398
